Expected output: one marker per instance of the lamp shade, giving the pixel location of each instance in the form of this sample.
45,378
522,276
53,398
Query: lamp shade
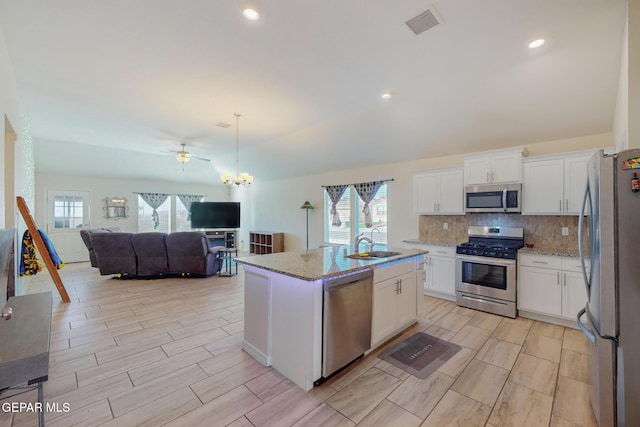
306,205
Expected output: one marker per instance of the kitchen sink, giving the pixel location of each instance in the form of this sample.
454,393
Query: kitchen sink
367,256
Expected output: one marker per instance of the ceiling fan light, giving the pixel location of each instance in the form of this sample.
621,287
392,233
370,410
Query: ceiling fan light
183,156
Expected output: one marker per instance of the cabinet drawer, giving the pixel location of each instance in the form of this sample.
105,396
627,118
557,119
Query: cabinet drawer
446,251
393,269
573,264
541,261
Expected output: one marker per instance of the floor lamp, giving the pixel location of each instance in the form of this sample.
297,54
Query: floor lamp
307,206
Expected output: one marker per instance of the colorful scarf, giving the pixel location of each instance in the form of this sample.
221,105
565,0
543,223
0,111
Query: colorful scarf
29,265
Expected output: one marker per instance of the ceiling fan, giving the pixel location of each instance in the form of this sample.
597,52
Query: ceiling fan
183,156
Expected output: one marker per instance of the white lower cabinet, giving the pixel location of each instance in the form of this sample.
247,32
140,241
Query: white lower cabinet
550,285
440,272
394,300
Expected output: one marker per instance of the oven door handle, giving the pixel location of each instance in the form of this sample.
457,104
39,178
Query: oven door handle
486,260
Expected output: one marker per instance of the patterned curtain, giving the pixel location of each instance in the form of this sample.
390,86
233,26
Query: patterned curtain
154,200
187,200
335,193
367,191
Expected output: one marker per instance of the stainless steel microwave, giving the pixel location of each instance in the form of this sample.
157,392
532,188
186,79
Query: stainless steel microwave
493,198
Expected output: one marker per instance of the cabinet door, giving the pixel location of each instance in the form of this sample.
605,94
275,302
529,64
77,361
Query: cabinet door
477,171
425,193
539,290
506,168
443,274
385,311
543,187
575,181
451,193
574,294
407,300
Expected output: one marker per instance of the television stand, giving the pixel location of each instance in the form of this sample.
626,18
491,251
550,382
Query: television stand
226,238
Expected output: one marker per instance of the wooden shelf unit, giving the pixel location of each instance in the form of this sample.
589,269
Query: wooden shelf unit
226,238
265,242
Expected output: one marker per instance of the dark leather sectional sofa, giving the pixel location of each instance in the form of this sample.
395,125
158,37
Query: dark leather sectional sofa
148,255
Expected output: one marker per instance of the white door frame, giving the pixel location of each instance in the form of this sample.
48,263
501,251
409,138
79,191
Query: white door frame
67,241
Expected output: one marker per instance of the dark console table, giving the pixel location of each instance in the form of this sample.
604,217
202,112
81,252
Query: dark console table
24,347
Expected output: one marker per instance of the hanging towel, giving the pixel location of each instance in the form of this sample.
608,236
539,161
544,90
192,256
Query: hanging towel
29,265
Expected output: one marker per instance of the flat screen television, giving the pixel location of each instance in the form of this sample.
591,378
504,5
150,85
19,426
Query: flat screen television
215,215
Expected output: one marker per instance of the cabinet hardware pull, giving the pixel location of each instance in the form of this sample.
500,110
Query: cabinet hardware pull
565,279
400,285
488,176
560,205
493,176
566,205
558,277
434,207
540,262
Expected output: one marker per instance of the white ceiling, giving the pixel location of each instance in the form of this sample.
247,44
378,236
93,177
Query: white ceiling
109,86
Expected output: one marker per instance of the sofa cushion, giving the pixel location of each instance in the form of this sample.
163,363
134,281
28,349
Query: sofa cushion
188,253
114,253
151,251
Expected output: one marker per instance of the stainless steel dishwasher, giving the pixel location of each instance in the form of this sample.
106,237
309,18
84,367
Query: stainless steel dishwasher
346,328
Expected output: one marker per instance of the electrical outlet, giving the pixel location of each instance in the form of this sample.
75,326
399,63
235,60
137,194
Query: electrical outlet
446,226
565,231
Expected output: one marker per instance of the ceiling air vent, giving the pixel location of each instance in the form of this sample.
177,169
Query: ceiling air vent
423,22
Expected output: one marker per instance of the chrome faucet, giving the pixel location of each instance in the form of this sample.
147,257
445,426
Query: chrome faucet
360,238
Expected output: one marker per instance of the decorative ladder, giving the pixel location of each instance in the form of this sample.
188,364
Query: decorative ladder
42,248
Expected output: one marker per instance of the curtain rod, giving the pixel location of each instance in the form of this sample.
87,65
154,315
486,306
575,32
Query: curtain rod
378,180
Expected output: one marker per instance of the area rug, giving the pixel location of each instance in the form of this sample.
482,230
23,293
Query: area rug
420,354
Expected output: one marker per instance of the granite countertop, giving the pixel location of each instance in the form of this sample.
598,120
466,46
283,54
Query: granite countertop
550,252
321,263
431,242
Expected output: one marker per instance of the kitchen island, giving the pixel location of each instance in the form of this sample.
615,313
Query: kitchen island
283,311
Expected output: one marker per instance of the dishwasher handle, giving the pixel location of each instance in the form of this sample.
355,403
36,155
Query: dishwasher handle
347,279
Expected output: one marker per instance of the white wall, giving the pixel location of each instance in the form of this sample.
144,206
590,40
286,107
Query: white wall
276,204
102,187
10,110
621,114
633,90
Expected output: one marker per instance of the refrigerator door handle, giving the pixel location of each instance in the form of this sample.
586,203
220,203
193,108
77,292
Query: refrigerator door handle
583,266
590,335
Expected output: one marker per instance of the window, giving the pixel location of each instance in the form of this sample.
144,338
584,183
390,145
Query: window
145,219
350,210
68,211
183,223
341,234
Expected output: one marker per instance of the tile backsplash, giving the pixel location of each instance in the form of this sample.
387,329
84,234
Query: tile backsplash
543,231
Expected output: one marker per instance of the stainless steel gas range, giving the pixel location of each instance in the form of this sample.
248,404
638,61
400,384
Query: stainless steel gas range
486,269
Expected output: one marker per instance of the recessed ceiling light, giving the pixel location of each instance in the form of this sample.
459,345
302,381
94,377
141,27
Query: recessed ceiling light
536,43
250,12
385,95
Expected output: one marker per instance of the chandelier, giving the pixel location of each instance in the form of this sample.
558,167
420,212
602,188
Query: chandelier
241,179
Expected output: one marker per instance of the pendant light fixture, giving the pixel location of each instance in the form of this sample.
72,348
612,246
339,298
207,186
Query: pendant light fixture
242,179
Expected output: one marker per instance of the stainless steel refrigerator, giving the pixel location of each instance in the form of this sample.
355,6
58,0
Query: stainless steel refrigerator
611,268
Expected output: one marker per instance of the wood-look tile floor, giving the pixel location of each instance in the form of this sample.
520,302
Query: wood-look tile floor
168,352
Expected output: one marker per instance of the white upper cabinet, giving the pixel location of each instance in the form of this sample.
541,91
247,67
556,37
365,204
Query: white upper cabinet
497,167
438,192
554,185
